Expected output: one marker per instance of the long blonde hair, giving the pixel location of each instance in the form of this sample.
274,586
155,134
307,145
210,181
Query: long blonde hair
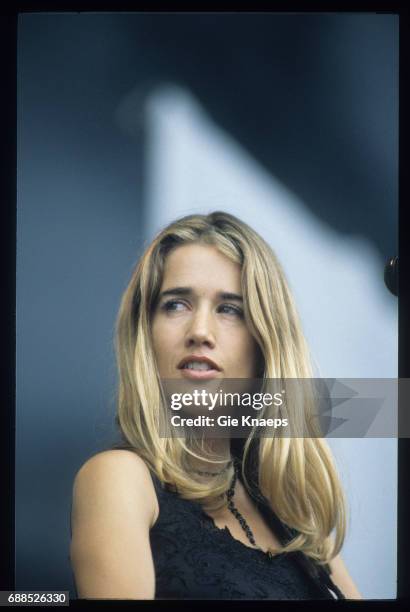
296,475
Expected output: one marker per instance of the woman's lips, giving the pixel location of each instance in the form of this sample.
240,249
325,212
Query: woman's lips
199,374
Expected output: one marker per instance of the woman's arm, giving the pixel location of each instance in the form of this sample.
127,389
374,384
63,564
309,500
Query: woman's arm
342,579
114,505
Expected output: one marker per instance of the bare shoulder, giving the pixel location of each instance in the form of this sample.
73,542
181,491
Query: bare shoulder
120,474
116,457
342,578
114,505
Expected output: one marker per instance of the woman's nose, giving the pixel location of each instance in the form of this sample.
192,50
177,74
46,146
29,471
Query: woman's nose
201,330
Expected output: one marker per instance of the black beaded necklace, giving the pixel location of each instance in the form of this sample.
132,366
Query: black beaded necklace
231,506
234,510
322,575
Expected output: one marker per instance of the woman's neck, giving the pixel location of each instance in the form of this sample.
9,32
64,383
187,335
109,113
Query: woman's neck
219,450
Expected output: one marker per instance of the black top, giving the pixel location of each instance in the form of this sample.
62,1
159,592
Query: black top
194,559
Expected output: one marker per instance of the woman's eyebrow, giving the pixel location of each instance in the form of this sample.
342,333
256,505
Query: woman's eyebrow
230,296
176,291
222,295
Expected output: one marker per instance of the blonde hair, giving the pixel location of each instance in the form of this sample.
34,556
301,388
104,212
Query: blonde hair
296,475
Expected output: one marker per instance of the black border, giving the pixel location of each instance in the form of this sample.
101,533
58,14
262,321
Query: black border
8,148
8,165
403,533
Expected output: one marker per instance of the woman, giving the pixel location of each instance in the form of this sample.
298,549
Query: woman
173,517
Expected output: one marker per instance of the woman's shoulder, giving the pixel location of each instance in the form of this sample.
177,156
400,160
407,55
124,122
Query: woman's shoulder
127,459
122,471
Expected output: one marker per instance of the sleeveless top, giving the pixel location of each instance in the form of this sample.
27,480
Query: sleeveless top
195,559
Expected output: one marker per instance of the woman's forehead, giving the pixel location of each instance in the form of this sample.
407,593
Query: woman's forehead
198,265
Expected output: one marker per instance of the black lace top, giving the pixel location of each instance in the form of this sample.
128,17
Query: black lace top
194,559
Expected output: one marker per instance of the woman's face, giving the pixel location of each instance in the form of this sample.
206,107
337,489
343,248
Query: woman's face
198,326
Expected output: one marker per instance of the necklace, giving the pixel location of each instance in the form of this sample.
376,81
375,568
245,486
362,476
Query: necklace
234,510
204,473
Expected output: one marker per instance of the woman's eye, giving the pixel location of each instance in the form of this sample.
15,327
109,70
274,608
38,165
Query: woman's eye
228,309
172,305
178,306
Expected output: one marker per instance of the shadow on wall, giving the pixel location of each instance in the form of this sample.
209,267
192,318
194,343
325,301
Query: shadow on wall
314,98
